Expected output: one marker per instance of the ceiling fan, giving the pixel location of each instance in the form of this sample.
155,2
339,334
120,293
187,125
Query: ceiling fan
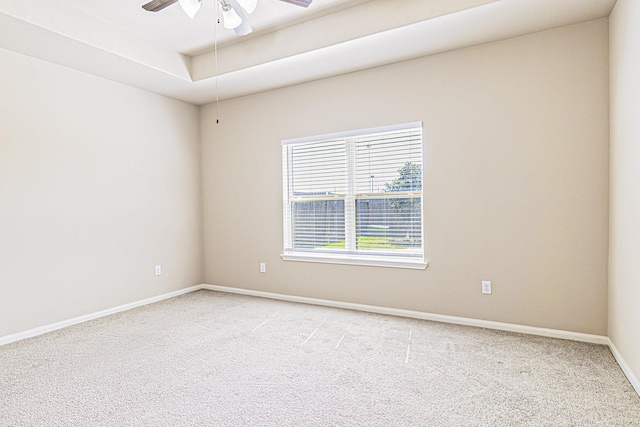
233,11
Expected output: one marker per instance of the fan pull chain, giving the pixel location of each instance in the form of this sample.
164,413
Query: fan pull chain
215,55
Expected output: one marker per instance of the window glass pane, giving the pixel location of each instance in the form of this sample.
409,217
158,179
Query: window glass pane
389,225
381,157
318,168
318,224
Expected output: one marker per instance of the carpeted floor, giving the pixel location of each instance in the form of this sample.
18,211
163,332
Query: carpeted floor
216,359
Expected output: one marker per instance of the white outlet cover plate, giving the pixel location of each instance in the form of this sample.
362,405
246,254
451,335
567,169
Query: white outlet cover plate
486,287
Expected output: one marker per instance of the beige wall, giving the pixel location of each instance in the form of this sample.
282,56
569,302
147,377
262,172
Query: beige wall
99,182
516,181
624,256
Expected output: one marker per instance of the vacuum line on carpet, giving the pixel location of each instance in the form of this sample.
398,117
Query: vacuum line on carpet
263,323
260,325
343,335
314,332
406,359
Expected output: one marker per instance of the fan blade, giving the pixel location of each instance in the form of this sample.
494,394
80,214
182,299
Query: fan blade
157,5
244,27
303,3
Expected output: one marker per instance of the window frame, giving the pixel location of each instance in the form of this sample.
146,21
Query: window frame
413,261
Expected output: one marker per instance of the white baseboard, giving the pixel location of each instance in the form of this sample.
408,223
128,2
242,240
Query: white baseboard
625,367
63,324
529,330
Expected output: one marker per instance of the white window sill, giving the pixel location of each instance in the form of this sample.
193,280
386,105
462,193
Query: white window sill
390,262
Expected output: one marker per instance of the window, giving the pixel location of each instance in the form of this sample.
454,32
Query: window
355,197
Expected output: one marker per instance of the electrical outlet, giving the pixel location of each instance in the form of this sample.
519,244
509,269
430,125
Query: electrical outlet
158,270
263,267
486,287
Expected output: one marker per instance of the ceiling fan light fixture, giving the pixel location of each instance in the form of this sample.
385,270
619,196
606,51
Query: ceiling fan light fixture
230,17
248,5
190,7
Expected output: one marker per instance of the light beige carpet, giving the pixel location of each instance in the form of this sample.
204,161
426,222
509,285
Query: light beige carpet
215,359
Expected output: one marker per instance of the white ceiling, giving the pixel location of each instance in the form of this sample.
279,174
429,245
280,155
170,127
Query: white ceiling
167,53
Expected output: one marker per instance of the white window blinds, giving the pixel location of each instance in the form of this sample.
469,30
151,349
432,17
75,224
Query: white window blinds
356,193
